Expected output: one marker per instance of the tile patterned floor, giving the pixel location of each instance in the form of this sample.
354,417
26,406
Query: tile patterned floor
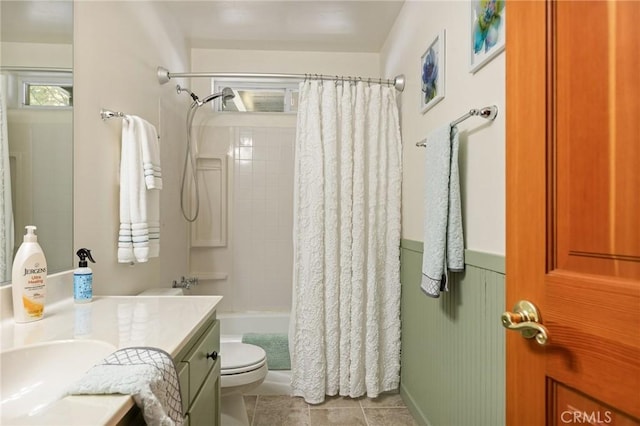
283,410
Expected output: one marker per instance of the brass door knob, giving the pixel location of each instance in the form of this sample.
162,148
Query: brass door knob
525,318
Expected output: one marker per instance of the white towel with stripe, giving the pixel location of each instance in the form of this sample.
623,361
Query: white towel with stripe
139,234
150,155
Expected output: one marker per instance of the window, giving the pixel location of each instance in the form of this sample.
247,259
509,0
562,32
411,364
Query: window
257,96
48,95
43,89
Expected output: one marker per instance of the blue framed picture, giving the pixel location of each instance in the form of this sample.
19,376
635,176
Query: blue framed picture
432,71
488,28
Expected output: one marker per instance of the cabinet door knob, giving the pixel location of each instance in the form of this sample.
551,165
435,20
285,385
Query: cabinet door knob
213,355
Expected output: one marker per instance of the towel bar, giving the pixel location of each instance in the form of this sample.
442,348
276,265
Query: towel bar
107,114
489,112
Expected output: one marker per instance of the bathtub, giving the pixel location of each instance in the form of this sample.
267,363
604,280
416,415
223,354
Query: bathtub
234,324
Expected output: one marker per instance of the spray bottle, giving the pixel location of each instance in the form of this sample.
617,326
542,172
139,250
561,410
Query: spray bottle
83,278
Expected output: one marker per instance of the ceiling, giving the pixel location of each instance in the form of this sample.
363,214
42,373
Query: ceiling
37,21
320,25
316,25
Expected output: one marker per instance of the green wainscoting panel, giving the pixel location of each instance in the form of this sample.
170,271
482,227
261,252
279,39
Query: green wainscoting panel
453,348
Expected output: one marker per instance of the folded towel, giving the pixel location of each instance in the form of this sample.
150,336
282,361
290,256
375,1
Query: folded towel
152,176
125,243
443,238
146,373
150,155
154,237
139,196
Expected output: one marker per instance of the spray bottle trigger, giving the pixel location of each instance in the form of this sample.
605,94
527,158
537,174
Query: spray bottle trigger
83,254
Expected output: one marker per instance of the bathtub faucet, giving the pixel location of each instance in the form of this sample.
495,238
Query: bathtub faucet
185,282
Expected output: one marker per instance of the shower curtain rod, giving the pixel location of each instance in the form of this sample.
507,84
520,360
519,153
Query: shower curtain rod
164,76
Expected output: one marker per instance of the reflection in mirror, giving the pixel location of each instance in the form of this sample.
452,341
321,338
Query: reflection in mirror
36,138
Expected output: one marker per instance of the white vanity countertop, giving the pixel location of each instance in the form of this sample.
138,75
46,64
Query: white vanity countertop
165,322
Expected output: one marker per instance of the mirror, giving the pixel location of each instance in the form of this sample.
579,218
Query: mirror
36,88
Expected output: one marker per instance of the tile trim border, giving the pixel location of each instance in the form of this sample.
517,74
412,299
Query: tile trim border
485,260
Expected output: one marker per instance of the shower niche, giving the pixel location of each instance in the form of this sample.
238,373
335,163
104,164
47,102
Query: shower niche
210,229
209,250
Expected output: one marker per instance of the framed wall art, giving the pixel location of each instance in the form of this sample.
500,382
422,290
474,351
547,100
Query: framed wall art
488,30
432,70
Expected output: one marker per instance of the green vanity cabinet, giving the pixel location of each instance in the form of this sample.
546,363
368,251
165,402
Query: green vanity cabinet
198,368
203,410
199,373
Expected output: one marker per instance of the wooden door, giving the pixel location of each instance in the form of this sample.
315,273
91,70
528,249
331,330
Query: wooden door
573,210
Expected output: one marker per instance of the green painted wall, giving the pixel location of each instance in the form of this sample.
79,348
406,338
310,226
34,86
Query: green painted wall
453,348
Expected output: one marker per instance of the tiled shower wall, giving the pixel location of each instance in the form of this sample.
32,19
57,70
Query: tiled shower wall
263,217
241,247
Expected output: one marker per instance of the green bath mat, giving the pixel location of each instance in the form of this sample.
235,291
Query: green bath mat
276,345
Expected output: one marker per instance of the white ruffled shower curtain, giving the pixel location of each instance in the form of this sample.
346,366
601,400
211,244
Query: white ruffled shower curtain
6,209
345,325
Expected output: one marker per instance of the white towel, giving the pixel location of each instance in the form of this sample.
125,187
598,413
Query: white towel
139,205
146,373
443,238
150,154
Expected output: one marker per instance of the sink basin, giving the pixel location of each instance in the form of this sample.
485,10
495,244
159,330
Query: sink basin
34,376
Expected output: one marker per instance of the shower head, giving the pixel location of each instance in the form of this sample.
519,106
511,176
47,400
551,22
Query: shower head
226,94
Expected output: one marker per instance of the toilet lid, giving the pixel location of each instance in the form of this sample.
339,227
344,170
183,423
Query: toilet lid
240,357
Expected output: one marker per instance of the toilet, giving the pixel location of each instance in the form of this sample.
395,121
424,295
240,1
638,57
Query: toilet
243,368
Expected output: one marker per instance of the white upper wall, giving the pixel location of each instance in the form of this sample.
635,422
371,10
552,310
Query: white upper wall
47,55
279,61
117,47
482,145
